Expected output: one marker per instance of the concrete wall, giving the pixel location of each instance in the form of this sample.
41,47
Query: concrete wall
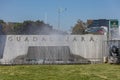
92,47
2,45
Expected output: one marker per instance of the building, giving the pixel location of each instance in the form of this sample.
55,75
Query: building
98,23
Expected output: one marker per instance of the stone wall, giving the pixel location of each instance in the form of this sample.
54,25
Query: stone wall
91,47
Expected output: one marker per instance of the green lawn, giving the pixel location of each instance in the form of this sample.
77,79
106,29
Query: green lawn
60,72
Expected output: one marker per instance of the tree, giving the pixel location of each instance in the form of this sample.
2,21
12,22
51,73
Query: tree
79,28
2,22
17,28
2,25
27,27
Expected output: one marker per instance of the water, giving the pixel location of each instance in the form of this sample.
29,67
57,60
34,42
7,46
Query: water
49,55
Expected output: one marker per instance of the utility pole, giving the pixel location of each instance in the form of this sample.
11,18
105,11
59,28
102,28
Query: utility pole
45,15
60,10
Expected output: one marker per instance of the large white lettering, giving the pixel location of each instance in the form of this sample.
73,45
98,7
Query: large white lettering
48,38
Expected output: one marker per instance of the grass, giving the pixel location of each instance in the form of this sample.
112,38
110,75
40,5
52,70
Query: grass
60,72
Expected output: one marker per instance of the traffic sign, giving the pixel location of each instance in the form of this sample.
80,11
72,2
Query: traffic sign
114,24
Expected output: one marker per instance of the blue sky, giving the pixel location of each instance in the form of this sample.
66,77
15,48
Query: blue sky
20,10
